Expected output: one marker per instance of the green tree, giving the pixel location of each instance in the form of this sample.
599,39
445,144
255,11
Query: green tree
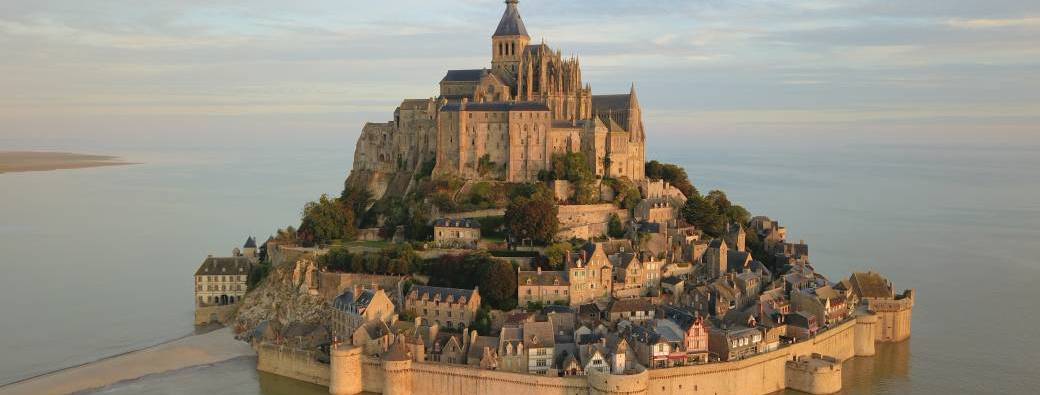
703,214
574,167
357,198
325,220
615,228
556,255
497,280
675,175
533,218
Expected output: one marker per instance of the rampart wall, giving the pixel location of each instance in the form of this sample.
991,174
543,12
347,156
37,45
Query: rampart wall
811,366
292,363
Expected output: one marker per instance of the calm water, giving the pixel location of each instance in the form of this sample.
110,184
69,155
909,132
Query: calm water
99,261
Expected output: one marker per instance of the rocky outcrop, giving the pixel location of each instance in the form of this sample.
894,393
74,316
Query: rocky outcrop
281,299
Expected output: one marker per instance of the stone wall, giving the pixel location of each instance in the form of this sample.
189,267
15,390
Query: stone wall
816,371
588,220
207,314
295,364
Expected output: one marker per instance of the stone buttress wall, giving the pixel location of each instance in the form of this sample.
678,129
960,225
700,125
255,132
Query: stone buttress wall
294,364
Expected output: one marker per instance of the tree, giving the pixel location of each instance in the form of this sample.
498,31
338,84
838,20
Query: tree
497,280
556,255
574,167
357,198
674,175
703,214
615,228
533,218
325,220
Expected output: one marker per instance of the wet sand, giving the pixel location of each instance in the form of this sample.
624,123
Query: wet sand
209,348
22,161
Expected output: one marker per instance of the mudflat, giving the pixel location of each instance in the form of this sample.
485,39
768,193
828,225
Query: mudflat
209,348
21,161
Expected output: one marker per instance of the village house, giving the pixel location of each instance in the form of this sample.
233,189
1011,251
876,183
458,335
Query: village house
540,342
695,333
590,274
734,343
355,307
456,232
632,310
450,307
801,325
511,352
635,274
545,287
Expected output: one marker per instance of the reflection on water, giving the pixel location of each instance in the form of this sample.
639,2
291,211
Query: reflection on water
887,372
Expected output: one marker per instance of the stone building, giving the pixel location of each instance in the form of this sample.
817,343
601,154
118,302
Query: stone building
448,307
590,274
504,122
222,281
355,307
456,232
544,287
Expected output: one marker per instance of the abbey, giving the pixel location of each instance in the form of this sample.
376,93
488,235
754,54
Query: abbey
505,122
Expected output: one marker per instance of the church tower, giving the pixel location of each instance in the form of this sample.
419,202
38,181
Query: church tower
508,42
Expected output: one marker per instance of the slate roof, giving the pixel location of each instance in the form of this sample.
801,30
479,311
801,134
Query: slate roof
235,265
543,278
456,223
511,23
736,259
346,299
473,75
633,304
604,103
433,292
539,335
870,285
498,106
250,243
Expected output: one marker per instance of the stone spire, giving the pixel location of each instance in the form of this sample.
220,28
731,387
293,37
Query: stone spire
511,23
633,102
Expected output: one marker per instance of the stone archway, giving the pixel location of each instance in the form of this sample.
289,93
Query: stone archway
223,299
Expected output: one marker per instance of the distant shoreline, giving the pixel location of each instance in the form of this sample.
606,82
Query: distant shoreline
193,350
26,161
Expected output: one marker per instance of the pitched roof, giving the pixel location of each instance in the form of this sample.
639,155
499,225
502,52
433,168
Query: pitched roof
473,75
604,103
511,23
250,243
457,223
539,335
234,265
543,278
870,285
632,304
443,293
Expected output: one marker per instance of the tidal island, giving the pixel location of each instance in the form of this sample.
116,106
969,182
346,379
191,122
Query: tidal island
509,236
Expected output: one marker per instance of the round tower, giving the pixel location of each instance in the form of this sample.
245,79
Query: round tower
864,336
397,370
345,370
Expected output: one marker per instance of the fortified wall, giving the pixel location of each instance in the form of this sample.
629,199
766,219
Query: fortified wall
812,366
587,220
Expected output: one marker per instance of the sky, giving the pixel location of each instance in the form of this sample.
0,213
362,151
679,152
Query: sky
703,68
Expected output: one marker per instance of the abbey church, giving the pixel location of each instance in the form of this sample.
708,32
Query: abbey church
505,122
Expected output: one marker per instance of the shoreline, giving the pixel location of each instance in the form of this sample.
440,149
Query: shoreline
181,353
40,161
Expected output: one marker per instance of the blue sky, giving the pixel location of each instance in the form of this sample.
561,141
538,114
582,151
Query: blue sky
131,67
